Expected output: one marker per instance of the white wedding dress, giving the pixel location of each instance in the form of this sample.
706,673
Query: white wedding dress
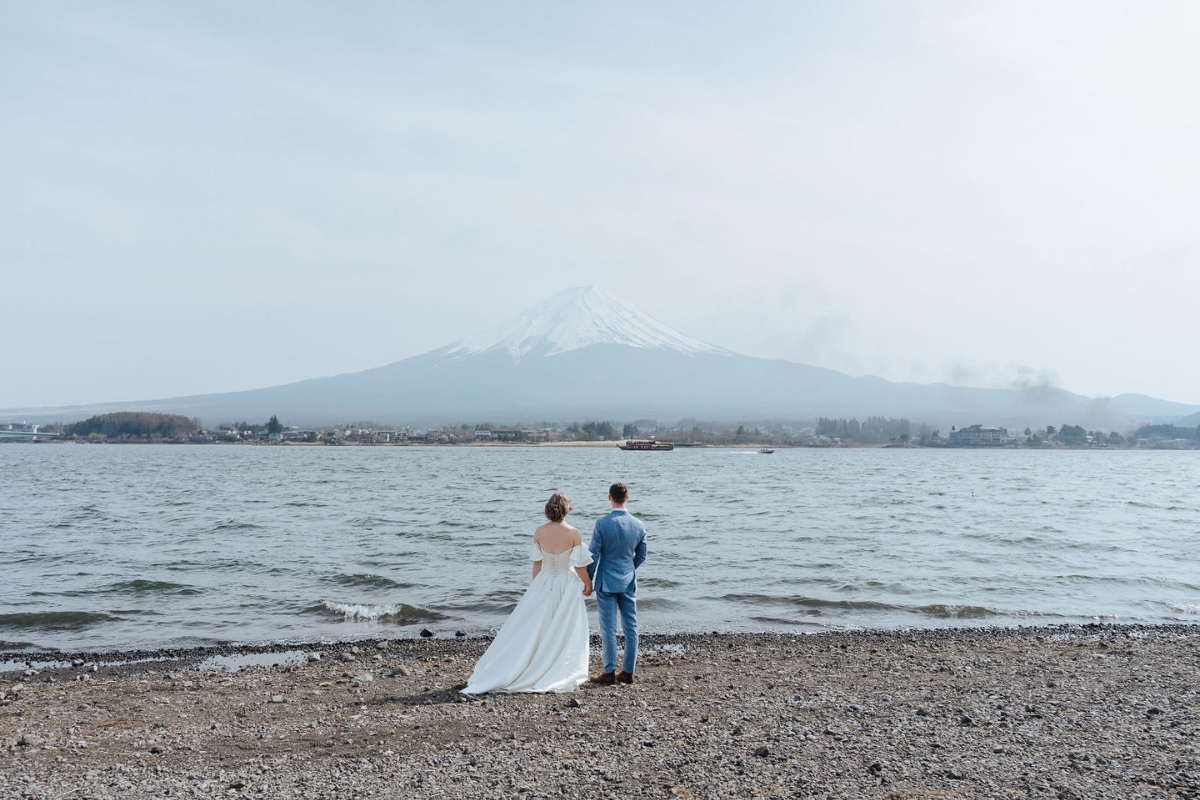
543,645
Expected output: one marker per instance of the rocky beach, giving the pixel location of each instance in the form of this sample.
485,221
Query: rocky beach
1070,712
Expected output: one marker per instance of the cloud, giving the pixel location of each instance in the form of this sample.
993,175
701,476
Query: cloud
1026,377
992,376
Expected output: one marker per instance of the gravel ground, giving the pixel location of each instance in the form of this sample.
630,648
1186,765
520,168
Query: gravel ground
1105,711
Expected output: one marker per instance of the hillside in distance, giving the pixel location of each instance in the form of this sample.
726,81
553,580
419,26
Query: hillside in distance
587,354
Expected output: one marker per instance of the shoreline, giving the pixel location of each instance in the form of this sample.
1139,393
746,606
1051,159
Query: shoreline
1058,711
678,445
187,656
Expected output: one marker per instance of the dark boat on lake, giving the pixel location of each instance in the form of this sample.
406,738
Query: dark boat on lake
645,444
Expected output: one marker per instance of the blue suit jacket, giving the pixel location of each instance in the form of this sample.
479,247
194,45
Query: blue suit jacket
618,549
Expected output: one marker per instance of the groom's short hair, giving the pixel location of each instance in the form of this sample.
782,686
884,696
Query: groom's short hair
619,492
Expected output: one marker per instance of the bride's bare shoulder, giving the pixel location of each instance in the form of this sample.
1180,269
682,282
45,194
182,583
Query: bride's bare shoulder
542,530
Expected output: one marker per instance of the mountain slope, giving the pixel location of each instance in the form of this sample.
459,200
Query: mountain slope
587,354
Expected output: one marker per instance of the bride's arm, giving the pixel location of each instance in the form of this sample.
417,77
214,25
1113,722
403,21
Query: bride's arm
582,572
587,580
537,565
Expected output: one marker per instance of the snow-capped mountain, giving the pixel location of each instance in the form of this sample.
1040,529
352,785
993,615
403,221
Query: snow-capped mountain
577,318
586,354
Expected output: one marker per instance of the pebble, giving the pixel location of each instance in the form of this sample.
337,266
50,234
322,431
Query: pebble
314,656
277,698
425,632
400,672
347,656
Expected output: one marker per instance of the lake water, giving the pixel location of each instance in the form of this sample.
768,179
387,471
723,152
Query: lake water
122,547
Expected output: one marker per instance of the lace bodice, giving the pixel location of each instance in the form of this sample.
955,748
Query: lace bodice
561,563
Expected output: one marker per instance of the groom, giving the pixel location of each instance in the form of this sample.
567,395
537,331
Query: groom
618,549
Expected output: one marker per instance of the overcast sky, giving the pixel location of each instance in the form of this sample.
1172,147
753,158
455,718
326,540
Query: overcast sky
209,197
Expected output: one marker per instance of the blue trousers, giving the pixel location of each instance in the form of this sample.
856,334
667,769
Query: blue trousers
608,604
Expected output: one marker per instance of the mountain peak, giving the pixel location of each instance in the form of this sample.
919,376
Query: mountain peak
577,318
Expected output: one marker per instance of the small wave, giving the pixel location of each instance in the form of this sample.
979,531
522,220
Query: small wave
367,580
660,583
53,620
396,613
1182,608
944,611
226,525
501,598
660,603
814,604
371,521
136,612
140,586
14,645
791,623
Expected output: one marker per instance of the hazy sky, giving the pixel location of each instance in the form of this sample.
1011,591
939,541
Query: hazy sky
208,197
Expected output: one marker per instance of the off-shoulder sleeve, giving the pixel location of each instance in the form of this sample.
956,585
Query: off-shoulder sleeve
535,553
580,556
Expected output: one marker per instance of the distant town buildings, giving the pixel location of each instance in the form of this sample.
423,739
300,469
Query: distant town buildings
19,431
875,432
979,436
494,434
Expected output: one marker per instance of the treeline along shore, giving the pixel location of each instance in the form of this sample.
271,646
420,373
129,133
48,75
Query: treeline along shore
1071,712
150,428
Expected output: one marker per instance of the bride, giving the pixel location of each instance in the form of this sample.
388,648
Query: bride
543,645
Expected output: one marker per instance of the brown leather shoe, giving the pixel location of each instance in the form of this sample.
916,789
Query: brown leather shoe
625,677
604,678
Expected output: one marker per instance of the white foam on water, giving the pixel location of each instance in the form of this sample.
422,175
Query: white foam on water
1183,608
364,611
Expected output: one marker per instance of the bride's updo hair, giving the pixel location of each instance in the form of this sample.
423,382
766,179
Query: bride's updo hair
557,507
